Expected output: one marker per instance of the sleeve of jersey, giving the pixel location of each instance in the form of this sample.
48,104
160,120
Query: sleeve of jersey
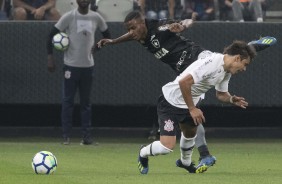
223,85
64,21
102,23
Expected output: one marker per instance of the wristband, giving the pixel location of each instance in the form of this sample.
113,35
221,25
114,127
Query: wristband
231,99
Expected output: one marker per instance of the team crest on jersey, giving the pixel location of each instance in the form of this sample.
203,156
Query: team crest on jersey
156,43
67,74
169,125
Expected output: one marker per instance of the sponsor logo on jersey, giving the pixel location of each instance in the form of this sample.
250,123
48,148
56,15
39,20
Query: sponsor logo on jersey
181,59
168,125
161,53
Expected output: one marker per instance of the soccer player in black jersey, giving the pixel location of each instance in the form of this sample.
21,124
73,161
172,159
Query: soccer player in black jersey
162,38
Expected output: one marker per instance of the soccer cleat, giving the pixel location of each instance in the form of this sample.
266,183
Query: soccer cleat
191,168
263,43
66,141
86,141
208,161
143,163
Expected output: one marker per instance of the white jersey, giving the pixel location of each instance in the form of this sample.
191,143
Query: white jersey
81,30
206,72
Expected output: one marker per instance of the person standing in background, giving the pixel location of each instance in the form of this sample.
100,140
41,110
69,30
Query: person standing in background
247,8
80,24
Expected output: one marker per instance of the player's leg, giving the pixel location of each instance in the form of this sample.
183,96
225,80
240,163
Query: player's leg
167,137
205,157
187,142
162,147
85,86
154,134
263,43
69,89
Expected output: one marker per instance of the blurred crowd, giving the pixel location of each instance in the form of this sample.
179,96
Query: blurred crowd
205,10
201,10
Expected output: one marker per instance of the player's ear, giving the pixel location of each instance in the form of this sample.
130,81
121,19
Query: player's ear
237,58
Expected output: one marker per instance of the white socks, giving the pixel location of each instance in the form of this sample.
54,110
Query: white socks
153,149
186,149
200,140
156,148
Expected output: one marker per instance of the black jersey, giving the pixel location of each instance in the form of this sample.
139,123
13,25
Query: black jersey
171,48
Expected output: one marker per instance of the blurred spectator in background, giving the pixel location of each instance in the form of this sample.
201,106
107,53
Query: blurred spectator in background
178,9
225,10
157,9
265,4
247,10
5,7
201,10
35,10
93,5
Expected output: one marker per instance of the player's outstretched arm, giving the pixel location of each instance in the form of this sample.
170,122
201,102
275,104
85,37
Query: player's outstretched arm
123,38
181,26
235,100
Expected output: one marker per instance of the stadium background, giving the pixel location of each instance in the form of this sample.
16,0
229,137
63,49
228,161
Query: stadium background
128,79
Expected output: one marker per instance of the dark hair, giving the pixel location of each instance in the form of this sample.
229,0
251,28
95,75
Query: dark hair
241,48
133,15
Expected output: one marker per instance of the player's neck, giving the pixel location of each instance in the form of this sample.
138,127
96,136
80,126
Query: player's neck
227,62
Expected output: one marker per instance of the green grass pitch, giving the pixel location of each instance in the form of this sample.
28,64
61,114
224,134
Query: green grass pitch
114,161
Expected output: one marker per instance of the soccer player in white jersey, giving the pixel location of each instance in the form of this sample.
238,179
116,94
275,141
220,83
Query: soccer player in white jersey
178,104
80,25
163,39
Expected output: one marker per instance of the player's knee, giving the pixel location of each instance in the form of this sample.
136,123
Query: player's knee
190,133
162,149
168,144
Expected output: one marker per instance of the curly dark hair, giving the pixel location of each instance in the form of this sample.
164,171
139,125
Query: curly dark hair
241,48
133,15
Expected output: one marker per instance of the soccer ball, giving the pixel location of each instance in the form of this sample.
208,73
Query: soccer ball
61,41
44,162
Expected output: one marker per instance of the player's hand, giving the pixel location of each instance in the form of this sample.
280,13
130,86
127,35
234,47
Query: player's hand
187,22
51,64
176,27
239,101
197,116
104,42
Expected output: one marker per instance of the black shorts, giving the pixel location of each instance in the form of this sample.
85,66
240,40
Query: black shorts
169,116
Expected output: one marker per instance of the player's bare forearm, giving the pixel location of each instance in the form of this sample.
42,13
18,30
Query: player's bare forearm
185,87
181,26
123,38
223,96
235,100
